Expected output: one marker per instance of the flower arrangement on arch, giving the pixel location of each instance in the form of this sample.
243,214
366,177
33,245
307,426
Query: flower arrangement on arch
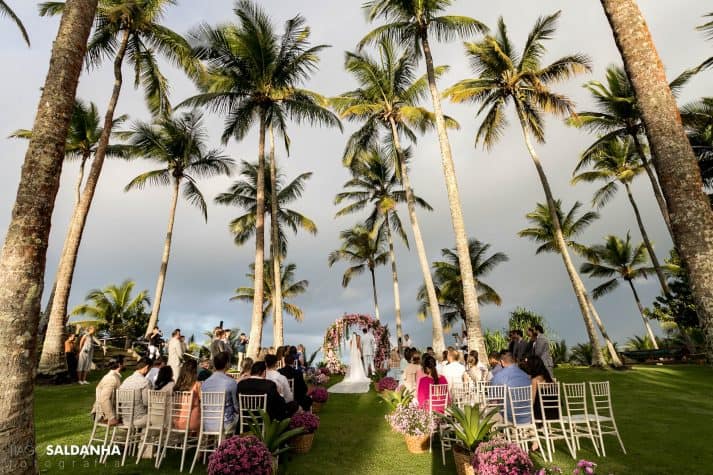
411,420
500,457
241,455
387,383
306,420
318,394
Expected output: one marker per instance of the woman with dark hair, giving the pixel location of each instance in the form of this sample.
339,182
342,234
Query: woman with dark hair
164,380
281,352
188,381
431,377
539,374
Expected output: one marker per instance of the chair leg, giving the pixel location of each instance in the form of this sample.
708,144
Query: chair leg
616,429
593,439
142,447
127,446
198,451
105,453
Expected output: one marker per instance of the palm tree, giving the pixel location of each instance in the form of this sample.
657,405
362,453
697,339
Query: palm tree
290,289
619,116
123,29
255,75
24,252
618,259
617,162
5,10
707,28
673,158
365,250
572,225
506,75
697,117
375,183
449,284
387,101
178,144
413,23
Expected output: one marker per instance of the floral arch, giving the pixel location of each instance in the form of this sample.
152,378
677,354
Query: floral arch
338,332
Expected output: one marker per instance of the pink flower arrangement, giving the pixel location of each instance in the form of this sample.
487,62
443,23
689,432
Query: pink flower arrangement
308,421
411,420
585,467
245,455
387,383
324,371
321,379
500,457
337,332
319,394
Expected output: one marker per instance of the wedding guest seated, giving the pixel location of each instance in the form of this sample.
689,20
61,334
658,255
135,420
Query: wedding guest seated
245,368
188,381
283,387
300,393
494,361
140,385
164,380
277,408
477,371
512,377
158,363
406,359
204,371
104,395
454,369
221,382
443,361
431,377
413,372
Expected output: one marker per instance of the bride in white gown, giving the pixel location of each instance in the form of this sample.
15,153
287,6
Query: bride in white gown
355,380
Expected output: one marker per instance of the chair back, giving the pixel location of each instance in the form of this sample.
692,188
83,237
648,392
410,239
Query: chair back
601,398
250,406
212,412
480,388
181,407
464,394
235,376
125,399
520,399
437,397
291,383
159,403
494,396
549,398
575,399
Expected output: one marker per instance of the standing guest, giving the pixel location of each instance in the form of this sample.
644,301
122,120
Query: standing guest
184,346
175,351
164,380
242,348
407,359
70,352
283,386
221,382
368,347
227,345
217,344
541,349
277,408
104,394
155,343
443,361
539,374
477,371
454,369
494,361
531,337
409,379
186,381
298,381
301,356
407,341
512,377
424,384
245,368
204,371
151,376
517,346
86,354
140,385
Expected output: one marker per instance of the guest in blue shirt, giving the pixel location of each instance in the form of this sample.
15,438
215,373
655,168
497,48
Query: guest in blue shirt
221,382
512,377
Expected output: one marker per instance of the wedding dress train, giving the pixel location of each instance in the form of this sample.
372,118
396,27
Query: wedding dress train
355,380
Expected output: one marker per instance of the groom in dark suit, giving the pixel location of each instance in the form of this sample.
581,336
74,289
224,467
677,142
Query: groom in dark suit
277,408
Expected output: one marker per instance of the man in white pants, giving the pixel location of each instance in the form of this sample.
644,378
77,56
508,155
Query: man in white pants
367,352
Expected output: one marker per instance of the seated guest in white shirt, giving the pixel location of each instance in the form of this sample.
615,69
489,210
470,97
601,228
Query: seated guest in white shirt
453,370
283,386
158,363
140,385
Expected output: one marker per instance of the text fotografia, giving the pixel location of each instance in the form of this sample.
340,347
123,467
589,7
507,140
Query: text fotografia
82,450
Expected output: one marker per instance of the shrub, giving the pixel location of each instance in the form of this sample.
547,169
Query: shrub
241,455
306,420
387,383
395,399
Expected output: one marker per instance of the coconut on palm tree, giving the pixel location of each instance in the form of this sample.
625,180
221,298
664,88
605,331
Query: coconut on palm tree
5,10
124,30
449,285
507,76
619,259
290,289
178,145
364,249
255,75
375,183
542,231
386,104
413,24
617,162
24,252
673,158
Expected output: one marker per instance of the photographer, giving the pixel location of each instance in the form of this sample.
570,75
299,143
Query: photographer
155,343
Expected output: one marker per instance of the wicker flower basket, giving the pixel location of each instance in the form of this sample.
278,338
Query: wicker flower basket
417,444
317,406
463,462
302,444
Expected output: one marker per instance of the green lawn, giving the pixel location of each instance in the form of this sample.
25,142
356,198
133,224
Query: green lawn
665,416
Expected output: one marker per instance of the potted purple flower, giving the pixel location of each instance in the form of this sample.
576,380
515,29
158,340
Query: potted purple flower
500,456
416,426
241,455
386,384
309,423
319,397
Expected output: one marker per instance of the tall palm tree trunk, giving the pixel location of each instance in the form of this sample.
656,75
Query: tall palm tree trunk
394,278
660,200
615,360
24,253
161,281
438,343
647,242
673,157
576,281
256,321
373,288
647,325
278,326
52,360
470,297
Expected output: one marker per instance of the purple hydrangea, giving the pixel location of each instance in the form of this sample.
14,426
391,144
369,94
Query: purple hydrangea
308,421
241,455
500,457
387,383
319,394
585,467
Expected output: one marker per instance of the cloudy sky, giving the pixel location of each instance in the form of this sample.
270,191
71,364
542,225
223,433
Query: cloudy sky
125,231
